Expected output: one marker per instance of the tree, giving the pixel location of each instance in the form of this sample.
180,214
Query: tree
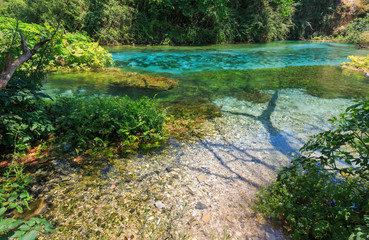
11,66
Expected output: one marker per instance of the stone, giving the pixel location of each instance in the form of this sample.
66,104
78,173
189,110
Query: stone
200,206
159,204
206,218
270,236
229,219
201,178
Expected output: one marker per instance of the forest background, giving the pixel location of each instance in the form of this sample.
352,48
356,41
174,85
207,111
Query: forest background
190,22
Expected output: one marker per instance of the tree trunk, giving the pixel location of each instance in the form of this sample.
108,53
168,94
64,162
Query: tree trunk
10,66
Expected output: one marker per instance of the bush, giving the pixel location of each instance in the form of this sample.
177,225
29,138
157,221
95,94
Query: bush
78,52
70,51
354,30
364,40
23,119
316,198
84,122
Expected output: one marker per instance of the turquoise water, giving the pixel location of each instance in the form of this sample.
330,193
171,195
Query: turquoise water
243,71
178,60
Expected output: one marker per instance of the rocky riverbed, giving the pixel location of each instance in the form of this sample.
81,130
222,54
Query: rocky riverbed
202,189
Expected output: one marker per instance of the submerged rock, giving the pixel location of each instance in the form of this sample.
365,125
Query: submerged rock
200,206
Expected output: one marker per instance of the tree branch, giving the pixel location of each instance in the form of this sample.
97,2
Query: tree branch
10,66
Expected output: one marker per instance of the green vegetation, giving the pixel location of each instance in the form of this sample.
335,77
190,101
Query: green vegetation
70,51
14,194
162,22
116,78
358,63
82,122
174,22
319,81
354,33
325,196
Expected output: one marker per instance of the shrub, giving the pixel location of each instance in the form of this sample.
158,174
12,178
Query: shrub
316,198
82,122
360,63
354,30
23,119
364,40
78,52
70,51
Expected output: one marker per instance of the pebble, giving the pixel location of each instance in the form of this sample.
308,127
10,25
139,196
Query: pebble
201,178
200,206
206,218
159,205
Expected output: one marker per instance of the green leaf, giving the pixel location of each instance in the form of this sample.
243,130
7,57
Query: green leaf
8,224
13,205
3,210
24,194
18,234
12,197
19,209
29,236
24,227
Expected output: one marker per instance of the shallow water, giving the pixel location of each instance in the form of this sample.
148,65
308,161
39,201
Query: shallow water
273,96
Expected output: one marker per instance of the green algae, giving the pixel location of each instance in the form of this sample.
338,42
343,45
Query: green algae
319,81
205,86
102,81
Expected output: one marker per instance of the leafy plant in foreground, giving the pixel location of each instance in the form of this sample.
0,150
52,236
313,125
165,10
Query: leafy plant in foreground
86,122
347,142
14,195
324,193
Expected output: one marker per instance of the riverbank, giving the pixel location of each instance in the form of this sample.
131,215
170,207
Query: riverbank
202,189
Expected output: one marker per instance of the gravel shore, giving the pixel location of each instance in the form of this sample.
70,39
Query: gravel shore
202,189
243,151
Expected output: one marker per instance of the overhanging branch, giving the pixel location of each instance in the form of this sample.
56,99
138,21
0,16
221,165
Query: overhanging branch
10,66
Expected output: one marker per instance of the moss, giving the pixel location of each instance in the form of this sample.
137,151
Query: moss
186,117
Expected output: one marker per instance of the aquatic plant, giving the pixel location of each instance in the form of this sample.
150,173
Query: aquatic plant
184,117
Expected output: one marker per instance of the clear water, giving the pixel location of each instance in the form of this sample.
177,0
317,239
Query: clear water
242,71
180,60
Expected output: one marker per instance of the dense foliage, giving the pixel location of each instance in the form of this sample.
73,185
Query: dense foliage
162,21
191,22
69,51
22,118
82,122
325,196
353,32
